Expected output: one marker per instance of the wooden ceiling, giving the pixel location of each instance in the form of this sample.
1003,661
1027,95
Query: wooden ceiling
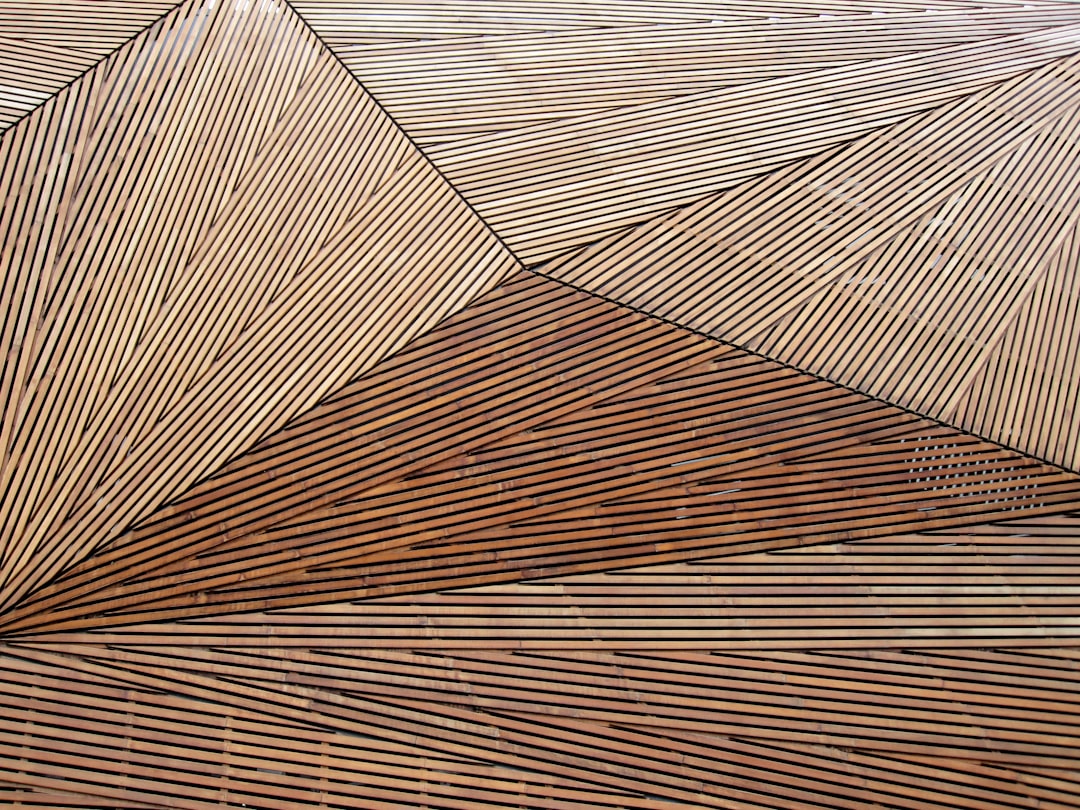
540,405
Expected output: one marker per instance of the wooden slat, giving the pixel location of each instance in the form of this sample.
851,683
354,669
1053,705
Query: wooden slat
188,274
551,187
556,433
617,726
894,274
46,44
312,495
1009,583
446,89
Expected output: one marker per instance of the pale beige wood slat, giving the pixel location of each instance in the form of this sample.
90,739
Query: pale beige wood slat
446,89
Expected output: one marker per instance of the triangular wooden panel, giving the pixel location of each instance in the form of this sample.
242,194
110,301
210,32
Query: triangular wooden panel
489,81
557,433
203,237
894,275
550,187
47,44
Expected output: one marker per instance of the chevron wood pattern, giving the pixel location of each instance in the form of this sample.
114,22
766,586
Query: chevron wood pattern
612,404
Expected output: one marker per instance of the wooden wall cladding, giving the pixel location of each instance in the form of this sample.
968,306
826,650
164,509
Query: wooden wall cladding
540,405
894,275
190,266
45,44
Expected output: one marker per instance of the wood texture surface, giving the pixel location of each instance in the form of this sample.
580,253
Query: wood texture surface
188,273
47,44
611,404
895,275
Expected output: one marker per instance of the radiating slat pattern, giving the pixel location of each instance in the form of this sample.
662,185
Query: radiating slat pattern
557,433
894,275
451,88
46,44
1013,582
345,23
751,491
202,238
620,689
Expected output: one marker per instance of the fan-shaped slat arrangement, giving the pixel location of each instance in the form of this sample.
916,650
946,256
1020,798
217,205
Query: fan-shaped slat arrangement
552,186
451,88
543,405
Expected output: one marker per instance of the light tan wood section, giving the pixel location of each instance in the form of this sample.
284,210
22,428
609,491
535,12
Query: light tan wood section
901,264
203,237
483,82
47,44
1027,389
541,430
926,670
548,187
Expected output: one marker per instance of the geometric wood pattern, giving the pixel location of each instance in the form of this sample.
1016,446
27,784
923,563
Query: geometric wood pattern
554,185
598,405
893,277
621,689
475,75
682,447
45,45
178,291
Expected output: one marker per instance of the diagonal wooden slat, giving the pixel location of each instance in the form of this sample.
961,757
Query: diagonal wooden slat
446,89
552,187
542,430
205,236
894,275
1024,393
46,44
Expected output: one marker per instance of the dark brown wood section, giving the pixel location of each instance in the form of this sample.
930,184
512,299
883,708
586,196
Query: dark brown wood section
609,404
